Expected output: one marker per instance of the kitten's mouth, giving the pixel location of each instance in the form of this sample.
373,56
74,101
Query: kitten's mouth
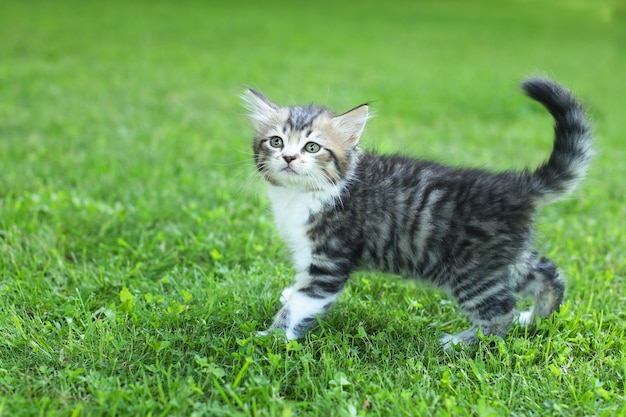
289,170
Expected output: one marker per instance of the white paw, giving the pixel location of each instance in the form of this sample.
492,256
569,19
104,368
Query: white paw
285,295
466,337
285,336
525,318
450,340
270,332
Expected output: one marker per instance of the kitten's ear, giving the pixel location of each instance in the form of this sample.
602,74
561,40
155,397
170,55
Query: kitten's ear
352,123
262,111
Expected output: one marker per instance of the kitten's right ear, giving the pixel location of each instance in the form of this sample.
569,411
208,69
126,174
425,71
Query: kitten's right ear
351,124
262,111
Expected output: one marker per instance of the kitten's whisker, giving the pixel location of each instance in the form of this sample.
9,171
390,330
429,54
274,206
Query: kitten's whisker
244,178
245,152
233,163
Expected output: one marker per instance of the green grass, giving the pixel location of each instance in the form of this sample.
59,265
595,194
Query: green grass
138,256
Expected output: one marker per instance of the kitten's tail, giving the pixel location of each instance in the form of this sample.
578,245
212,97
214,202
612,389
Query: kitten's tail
571,152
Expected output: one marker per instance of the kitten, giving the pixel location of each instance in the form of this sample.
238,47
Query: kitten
467,231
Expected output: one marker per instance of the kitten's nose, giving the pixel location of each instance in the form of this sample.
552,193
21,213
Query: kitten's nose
288,159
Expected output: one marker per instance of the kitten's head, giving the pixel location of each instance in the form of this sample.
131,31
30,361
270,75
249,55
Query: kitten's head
307,147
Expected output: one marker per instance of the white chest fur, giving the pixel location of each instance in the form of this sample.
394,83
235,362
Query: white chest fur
292,209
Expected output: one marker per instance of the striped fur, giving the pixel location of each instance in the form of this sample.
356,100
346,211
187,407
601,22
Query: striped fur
467,231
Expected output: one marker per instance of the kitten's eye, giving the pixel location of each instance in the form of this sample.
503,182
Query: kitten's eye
312,147
276,142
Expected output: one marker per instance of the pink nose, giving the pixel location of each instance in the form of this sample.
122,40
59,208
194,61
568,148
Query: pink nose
288,159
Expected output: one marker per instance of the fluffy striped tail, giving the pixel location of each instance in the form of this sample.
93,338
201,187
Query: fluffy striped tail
572,152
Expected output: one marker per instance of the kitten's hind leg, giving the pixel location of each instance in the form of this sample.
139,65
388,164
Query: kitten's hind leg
490,305
311,296
544,284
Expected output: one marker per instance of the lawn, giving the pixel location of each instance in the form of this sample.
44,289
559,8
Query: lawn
138,256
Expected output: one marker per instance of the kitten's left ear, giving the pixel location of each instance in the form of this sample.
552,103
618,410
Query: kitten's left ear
262,111
351,123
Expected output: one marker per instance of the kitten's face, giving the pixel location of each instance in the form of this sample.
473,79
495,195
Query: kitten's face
305,147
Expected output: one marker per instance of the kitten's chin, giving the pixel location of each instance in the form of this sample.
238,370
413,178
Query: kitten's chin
288,170
290,176
298,180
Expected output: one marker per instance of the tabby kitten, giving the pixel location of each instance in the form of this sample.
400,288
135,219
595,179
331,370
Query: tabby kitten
467,231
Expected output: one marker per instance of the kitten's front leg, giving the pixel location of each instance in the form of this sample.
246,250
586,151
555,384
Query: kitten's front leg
284,296
311,296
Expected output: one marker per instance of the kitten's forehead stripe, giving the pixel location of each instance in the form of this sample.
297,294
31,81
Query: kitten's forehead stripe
301,118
